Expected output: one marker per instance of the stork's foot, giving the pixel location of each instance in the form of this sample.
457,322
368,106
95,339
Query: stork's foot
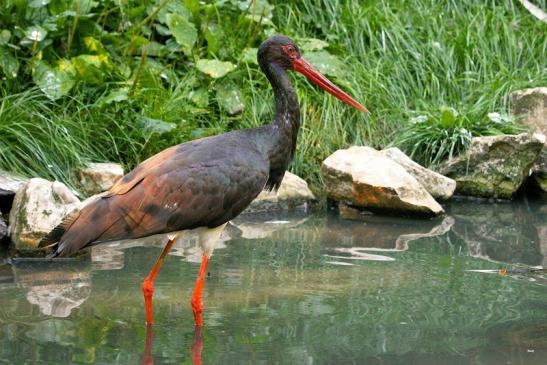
148,291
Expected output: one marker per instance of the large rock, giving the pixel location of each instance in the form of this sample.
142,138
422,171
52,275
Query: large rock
99,177
494,166
293,193
539,172
366,178
38,207
439,186
9,184
530,105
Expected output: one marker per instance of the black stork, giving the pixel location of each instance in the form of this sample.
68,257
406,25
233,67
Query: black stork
202,184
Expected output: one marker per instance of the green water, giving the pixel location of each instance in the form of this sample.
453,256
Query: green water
292,289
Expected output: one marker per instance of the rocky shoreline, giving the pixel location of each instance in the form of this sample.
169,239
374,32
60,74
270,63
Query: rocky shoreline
357,179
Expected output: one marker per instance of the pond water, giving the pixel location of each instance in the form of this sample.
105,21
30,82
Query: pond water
297,289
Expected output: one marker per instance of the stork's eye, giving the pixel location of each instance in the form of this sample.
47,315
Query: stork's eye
290,51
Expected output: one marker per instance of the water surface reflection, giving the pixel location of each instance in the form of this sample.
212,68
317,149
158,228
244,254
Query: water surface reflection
276,294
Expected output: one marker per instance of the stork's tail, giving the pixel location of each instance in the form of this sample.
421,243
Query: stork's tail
51,240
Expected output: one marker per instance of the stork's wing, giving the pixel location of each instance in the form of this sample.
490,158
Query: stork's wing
170,192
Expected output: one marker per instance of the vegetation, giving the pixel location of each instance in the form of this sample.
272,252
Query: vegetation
86,80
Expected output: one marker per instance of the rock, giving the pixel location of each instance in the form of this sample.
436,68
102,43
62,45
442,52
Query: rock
9,184
366,178
38,207
494,166
439,186
3,230
539,172
99,177
293,193
531,106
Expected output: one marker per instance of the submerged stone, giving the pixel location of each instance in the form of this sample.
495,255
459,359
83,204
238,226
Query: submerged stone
494,166
366,178
38,207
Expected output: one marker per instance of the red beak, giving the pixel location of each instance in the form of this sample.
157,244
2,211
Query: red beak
306,69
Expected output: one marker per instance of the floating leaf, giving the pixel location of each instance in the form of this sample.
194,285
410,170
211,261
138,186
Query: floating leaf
249,55
54,82
115,96
230,99
35,33
183,30
325,62
9,64
215,68
312,44
156,126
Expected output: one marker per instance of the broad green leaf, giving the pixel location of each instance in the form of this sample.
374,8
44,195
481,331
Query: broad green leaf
249,55
215,68
35,33
5,36
91,68
54,82
94,45
115,96
183,30
200,97
448,117
38,3
9,64
230,99
211,36
312,44
325,62
257,10
156,126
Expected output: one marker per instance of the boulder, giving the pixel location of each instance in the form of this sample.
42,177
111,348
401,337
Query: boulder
530,105
293,193
366,178
494,166
9,184
99,177
539,172
439,186
38,207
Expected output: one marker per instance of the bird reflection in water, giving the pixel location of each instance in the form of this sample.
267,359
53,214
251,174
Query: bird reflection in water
197,346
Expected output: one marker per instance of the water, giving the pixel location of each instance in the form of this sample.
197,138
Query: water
292,289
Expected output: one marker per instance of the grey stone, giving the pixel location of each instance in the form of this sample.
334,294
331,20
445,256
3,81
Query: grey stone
38,207
530,105
494,166
439,186
99,177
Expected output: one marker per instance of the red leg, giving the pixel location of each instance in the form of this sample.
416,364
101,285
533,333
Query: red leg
148,283
197,301
197,346
147,358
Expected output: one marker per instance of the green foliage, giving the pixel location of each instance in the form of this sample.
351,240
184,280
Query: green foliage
125,79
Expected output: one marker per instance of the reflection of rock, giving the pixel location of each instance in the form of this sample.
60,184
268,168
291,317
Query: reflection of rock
293,193
539,172
366,178
439,186
99,177
262,225
56,288
38,207
494,166
500,232
443,228
3,229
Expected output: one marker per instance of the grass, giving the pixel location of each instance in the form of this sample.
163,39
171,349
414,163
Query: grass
405,60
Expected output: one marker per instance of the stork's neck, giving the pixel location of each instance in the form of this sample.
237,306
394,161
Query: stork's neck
286,121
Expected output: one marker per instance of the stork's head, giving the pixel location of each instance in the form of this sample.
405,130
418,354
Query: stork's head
282,50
